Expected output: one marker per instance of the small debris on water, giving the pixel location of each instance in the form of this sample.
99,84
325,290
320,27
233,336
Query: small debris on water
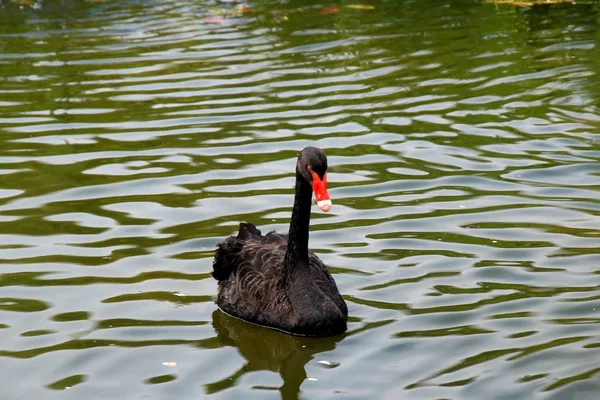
329,364
215,20
169,364
329,10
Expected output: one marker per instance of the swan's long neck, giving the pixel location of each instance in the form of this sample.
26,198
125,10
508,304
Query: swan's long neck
297,251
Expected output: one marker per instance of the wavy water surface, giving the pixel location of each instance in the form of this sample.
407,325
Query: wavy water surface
463,153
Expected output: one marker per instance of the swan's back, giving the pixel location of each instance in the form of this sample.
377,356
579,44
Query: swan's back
253,287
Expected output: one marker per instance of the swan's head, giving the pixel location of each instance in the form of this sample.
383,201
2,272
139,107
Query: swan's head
312,165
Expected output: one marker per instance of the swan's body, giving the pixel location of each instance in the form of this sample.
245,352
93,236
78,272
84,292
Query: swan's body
274,280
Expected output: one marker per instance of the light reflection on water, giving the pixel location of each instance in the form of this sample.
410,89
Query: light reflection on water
463,166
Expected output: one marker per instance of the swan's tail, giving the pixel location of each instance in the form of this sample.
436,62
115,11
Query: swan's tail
226,256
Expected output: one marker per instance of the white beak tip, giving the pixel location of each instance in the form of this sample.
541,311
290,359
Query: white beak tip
325,205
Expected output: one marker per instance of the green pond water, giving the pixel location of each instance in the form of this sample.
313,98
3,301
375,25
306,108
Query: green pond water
463,148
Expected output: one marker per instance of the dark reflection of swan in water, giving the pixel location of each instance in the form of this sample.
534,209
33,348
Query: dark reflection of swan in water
267,349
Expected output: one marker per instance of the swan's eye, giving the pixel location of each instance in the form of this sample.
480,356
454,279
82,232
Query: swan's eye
309,169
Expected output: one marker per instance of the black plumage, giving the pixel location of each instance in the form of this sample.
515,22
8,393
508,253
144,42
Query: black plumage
275,280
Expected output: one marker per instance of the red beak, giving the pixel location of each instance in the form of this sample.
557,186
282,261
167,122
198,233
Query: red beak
320,190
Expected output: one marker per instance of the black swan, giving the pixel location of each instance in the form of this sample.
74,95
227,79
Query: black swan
275,280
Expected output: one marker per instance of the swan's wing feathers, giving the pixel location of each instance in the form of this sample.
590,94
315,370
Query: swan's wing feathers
233,251
249,258
253,288
259,273
275,237
265,256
